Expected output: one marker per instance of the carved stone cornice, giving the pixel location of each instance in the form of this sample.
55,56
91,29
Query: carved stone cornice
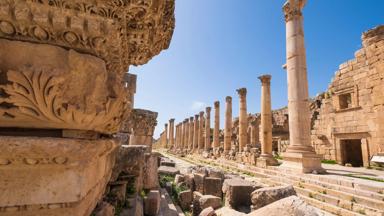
143,122
121,32
293,8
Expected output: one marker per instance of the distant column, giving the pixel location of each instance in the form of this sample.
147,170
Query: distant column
243,118
196,133
300,154
201,131
208,129
166,135
266,121
216,130
228,124
171,133
177,136
186,134
191,132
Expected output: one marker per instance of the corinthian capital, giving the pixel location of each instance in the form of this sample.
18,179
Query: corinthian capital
293,8
242,92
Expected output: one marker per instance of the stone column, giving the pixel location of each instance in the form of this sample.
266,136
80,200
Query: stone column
191,134
300,154
216,130
166,135
196,133
182,128
243,118
207,129
177,144
186,134
201,131
228,124
171,133
266,122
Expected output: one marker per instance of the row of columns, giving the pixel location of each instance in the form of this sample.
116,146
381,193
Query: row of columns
300,155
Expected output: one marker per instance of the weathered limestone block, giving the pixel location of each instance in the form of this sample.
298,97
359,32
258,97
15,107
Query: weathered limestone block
196,203
290,206
210,201
198,178
165,170
151,180
208,212
118,192
213,186
144,123
185,199
265,196
104,209
55,176
238,192
167,162
152,203
189,181
136,207
179,178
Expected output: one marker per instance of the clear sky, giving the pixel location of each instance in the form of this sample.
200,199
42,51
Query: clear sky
221,45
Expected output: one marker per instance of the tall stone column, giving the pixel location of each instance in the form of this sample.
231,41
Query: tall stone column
208,129
166,135
186,134
171,133
201,131
191,134
228,124
243,118
182,134
266,122
196,133
216,130
300,154
177,137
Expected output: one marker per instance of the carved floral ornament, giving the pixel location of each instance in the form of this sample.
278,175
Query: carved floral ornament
143,122
121,32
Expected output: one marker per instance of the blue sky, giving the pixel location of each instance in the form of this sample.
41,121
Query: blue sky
221,45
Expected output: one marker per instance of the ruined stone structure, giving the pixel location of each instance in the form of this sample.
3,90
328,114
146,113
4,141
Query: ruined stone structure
349,126
65,94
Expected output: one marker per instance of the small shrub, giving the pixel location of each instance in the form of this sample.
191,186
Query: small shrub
328,162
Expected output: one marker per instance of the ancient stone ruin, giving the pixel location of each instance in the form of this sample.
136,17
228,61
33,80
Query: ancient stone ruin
68,129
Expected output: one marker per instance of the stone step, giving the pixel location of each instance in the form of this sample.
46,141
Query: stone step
359,204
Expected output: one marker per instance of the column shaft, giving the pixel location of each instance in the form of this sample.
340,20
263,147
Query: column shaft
216,130
228,124
201,131
243,118
196,133
208,129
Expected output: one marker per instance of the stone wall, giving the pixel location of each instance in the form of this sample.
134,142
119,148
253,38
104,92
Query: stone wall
353,105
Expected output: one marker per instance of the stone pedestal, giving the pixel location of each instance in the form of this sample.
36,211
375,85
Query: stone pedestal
243,118
228,125
266,122
300,155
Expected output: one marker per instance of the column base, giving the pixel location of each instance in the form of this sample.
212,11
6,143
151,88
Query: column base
303,162
266,160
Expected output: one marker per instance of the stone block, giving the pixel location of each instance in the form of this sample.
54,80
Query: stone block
265,196
189,181
292,205
152,203
213,186
196,203
210,201
185,199
238,193
179,178
151,180
104,209
166,170
199,182
208,212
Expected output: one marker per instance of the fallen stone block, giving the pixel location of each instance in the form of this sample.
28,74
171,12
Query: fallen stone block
152,203
166,170
226,211
189,181
265,196
179,178
238,193
208,212
210,201
196,203
199,181
213,186
290,206
185,199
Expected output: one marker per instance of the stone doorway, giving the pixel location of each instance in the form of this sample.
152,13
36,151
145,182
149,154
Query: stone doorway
352,152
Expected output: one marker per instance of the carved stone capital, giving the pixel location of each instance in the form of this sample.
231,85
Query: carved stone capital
228,99
191,119
143,122
201,114
216,104
242,92
265,79
171,121
293,8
